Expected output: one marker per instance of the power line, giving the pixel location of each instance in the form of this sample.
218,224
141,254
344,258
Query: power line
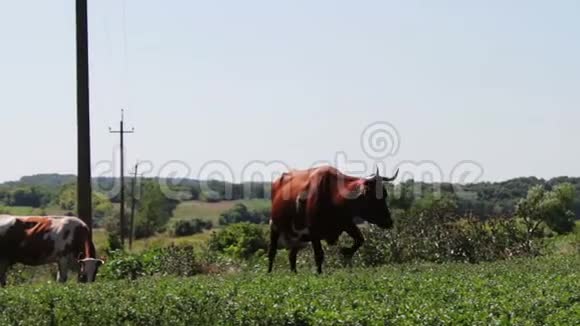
122,133
133,206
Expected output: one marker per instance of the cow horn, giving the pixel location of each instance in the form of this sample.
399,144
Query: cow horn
373,176
391,178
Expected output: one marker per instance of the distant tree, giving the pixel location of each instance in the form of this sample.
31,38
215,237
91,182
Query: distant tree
32,196
441,207
155,210
67,200
188,226
401,196
552,208
195,192
241,213
210,196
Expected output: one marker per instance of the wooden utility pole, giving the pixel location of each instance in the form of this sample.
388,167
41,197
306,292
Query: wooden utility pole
133,205
84,192
122,133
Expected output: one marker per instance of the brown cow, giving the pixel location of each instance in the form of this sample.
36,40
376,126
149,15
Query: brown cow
43,240
320,204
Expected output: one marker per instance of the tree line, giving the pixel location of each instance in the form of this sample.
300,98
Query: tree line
481,200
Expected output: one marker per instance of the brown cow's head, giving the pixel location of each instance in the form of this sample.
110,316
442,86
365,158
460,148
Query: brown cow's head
88,269
371,200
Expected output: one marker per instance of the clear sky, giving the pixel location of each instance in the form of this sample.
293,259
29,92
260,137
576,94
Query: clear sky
497,83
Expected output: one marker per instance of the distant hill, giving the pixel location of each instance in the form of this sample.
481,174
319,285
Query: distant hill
49,181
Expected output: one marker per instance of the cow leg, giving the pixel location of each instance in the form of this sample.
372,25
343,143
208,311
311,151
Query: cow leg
318,255
354,232
292,257
4,265
62,274
274,236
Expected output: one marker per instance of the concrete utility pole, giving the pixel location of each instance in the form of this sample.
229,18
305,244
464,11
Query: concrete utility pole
133,205
122,133
84,192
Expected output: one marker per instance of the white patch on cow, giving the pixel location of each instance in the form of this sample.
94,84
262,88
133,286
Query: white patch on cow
6,222
62,226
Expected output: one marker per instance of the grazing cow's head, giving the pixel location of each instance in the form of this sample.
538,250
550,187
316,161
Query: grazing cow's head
88,269
371,198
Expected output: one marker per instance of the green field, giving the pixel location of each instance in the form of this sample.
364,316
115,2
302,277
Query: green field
212,211
186,209
160,240
541,291
524,291
26,210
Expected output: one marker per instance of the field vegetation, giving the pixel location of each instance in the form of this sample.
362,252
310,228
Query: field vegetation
447,261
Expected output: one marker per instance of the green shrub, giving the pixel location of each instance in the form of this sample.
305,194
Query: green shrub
121,265
188,226
241,240
542,291
113,242
240,213
172,260
467,240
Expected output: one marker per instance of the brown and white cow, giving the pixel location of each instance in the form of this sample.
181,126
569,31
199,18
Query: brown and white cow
34,241
320,204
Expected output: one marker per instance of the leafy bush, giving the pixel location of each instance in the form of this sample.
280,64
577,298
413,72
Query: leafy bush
467,240
521,292
121,265
240,213
113,242
554,208
32,196
155,210
67,200
172,260
188,226
241,240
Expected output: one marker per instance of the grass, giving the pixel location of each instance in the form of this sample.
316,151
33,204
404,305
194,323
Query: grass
565,244
212,211
519,292
186,209
193,209
160,240
27,210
